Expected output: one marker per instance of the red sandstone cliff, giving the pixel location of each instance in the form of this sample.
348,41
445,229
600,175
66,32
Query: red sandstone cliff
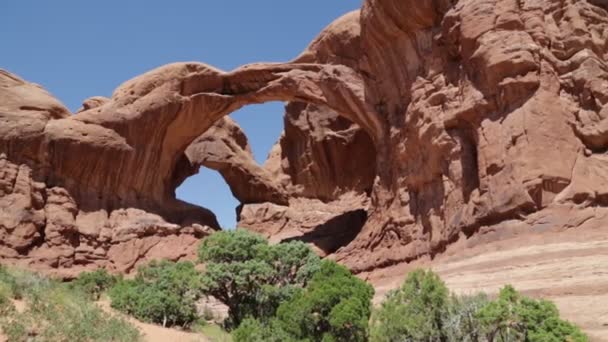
410,126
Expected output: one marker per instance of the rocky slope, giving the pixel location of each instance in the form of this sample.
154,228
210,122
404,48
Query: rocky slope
412,126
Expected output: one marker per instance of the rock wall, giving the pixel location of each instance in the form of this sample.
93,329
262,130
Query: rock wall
56,223
491,111
105,177
44,227
488,103
324,161
411,125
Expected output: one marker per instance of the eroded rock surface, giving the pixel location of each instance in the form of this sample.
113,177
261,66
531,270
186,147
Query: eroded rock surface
493,111
494,107
59,224
411,126
225,148
325,162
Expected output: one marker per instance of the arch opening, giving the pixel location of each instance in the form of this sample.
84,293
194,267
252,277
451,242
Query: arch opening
320,158
300,152
244,141
208,189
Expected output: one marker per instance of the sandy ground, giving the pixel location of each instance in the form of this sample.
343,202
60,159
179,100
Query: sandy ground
20,307
570,268
151,333
156,333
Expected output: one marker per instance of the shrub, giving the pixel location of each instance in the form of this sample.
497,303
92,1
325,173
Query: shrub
162,292
252,330
461,321
8,284
6,305
213,332
70,318
335,306
231,246
93,284
414,312
513,317
251,277
283,292
421,310
7,292
54,313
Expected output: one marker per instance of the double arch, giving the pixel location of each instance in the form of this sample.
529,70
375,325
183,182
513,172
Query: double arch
158,114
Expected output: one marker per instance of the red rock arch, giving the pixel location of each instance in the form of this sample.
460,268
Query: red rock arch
150,120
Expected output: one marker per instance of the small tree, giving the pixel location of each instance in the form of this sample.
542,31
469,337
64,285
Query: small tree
414,312
461,321
513,317
334,307
92,284
252,277
421,310
252,330
162,292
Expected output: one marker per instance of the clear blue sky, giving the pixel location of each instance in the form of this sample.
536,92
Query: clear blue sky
77,49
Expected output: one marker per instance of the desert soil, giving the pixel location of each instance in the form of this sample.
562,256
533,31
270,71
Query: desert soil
156,333
150,332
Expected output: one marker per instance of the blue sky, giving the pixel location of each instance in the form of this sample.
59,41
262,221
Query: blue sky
77,49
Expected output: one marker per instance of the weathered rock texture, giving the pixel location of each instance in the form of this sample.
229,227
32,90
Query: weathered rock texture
491,111
50,215
411,125
225,148
490,105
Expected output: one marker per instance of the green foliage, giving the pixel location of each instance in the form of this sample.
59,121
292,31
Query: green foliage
213,332
162,292
283,292
231,246
8,284
461,321
55,313
71,318
252,330
421,310
335,306
252,277
93,284
414,312
513,317
6,305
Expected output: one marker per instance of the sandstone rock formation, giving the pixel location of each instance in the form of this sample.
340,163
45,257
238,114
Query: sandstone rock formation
225,148
493,110
57,221
486,117
411,126
325,162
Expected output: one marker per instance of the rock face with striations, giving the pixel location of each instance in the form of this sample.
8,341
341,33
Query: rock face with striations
492,111
51,215
493,108
410,126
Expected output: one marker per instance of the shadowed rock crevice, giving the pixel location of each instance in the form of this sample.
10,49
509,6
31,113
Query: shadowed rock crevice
335,233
